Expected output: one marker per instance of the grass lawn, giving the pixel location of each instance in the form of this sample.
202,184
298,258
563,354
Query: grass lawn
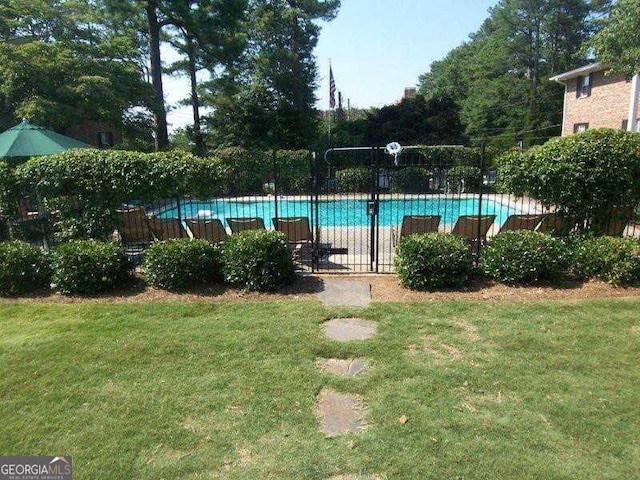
204,390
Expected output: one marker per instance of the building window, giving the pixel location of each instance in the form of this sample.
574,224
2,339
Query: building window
105,139
580,127
583,89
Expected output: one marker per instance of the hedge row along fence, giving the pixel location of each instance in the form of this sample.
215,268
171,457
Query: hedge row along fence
435,260
253,260
86,187
113,176
593,178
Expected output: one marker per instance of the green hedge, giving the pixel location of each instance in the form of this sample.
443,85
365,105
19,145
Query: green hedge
257,260
460,156
593,177
88,267
470,176
433,260
353,180
525,257
410,180
6,183
23,268
179,263
611,259
245,172
101,180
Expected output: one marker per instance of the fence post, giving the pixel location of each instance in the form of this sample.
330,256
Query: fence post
478,239
316,209
179,210
275,181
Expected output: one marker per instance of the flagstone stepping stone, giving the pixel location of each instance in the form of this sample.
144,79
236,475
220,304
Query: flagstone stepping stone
340,413
344,368
345,293
347,329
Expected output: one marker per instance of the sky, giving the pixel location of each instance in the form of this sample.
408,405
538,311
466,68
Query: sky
376,48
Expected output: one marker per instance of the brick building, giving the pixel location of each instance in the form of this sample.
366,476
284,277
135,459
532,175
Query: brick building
595,100
96,132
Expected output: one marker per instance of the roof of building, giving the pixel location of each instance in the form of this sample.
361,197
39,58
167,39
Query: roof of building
578,72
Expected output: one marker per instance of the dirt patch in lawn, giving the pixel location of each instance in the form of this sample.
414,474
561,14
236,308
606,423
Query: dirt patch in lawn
384,288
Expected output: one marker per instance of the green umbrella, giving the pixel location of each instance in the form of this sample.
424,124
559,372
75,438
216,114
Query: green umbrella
26,140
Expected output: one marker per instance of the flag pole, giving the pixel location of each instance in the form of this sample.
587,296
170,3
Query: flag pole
330,110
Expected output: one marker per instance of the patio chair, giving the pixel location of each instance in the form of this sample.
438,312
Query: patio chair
134,228
298,234
296,229
413,224
554,223
166,228
473,228
520,222
238,225
211,230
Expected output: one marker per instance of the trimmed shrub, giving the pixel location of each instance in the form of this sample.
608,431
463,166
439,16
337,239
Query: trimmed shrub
353,180
611,259
88,266
23,268
179,263
592,176
410,180
433,260
525,257
257,260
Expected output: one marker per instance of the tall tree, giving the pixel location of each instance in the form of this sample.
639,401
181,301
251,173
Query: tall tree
618,43
415,121
500,77
267,98
60,64
209,37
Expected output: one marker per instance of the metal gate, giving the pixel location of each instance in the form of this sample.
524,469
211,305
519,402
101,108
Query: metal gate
363,195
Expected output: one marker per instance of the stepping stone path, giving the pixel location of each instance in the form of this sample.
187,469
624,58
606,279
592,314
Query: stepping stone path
345,293
348,329
340,413
344,368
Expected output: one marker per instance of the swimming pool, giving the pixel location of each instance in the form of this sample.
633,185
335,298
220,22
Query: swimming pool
343,212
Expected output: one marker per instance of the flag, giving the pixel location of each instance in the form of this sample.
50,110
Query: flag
332,89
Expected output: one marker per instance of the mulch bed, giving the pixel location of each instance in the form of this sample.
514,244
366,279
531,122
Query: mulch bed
384,288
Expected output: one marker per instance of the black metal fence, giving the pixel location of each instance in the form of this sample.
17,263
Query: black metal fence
345,211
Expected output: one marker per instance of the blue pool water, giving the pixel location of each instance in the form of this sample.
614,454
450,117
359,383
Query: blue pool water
343,212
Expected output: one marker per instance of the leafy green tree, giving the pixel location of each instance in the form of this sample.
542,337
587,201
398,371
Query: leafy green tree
618,43
267,98
415,121
49,84
500,77
208,35
62,62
